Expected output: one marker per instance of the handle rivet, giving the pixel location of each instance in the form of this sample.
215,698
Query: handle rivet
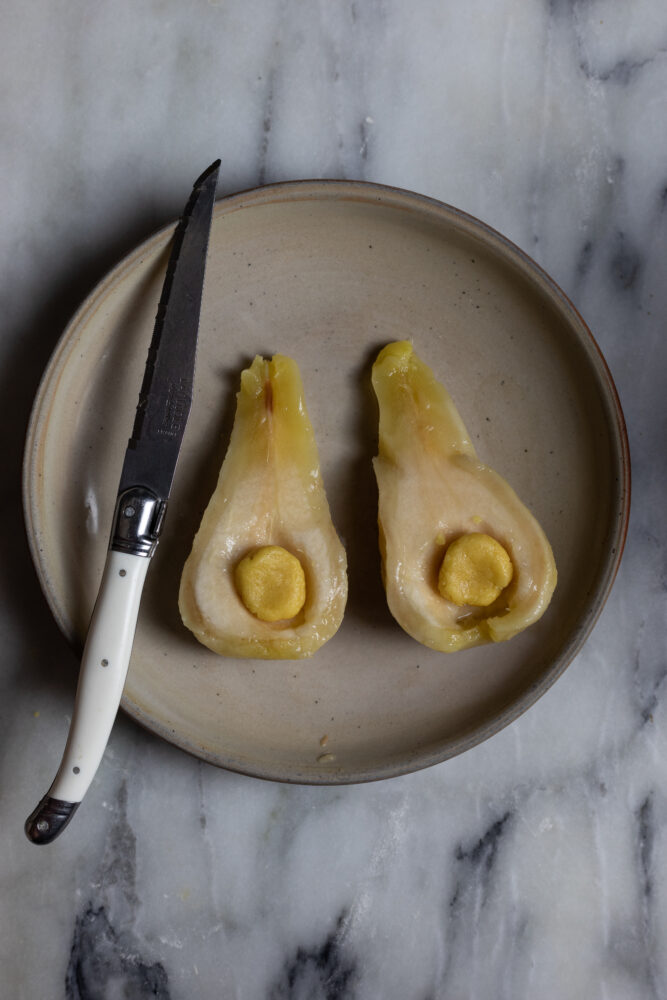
43,825
76,769
121,572
129,511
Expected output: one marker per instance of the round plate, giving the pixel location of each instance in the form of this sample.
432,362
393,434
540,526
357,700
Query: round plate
328,272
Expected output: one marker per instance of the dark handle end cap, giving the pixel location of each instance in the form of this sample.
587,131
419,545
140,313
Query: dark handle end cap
49,819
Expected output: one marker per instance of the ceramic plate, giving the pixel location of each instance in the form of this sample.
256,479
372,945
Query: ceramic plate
328,272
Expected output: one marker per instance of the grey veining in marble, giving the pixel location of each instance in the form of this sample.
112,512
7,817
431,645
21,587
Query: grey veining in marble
536,864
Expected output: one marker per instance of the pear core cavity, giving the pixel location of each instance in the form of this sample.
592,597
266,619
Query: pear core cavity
475,570
271,583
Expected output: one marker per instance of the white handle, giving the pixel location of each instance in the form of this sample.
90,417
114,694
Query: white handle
106,657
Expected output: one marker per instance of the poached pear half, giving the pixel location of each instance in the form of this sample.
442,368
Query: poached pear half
434,493
267,528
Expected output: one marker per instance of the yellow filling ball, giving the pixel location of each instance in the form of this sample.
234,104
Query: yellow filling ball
271,583
475,570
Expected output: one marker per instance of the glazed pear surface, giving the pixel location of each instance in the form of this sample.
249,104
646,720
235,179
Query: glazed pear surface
433,490
269,493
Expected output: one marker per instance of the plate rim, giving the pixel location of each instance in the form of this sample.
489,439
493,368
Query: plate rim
371,193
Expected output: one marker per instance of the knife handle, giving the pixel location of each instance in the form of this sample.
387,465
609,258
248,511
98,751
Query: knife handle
104,664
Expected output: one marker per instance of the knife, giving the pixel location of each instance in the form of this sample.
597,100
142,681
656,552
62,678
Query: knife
145,483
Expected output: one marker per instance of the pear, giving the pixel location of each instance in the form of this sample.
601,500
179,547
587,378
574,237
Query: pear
267,574
464,562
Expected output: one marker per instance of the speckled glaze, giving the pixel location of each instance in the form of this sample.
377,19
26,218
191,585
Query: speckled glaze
328,272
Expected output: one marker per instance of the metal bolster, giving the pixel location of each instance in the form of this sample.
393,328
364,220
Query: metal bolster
137,522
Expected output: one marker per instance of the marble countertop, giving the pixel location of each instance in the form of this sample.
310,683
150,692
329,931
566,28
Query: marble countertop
534,865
